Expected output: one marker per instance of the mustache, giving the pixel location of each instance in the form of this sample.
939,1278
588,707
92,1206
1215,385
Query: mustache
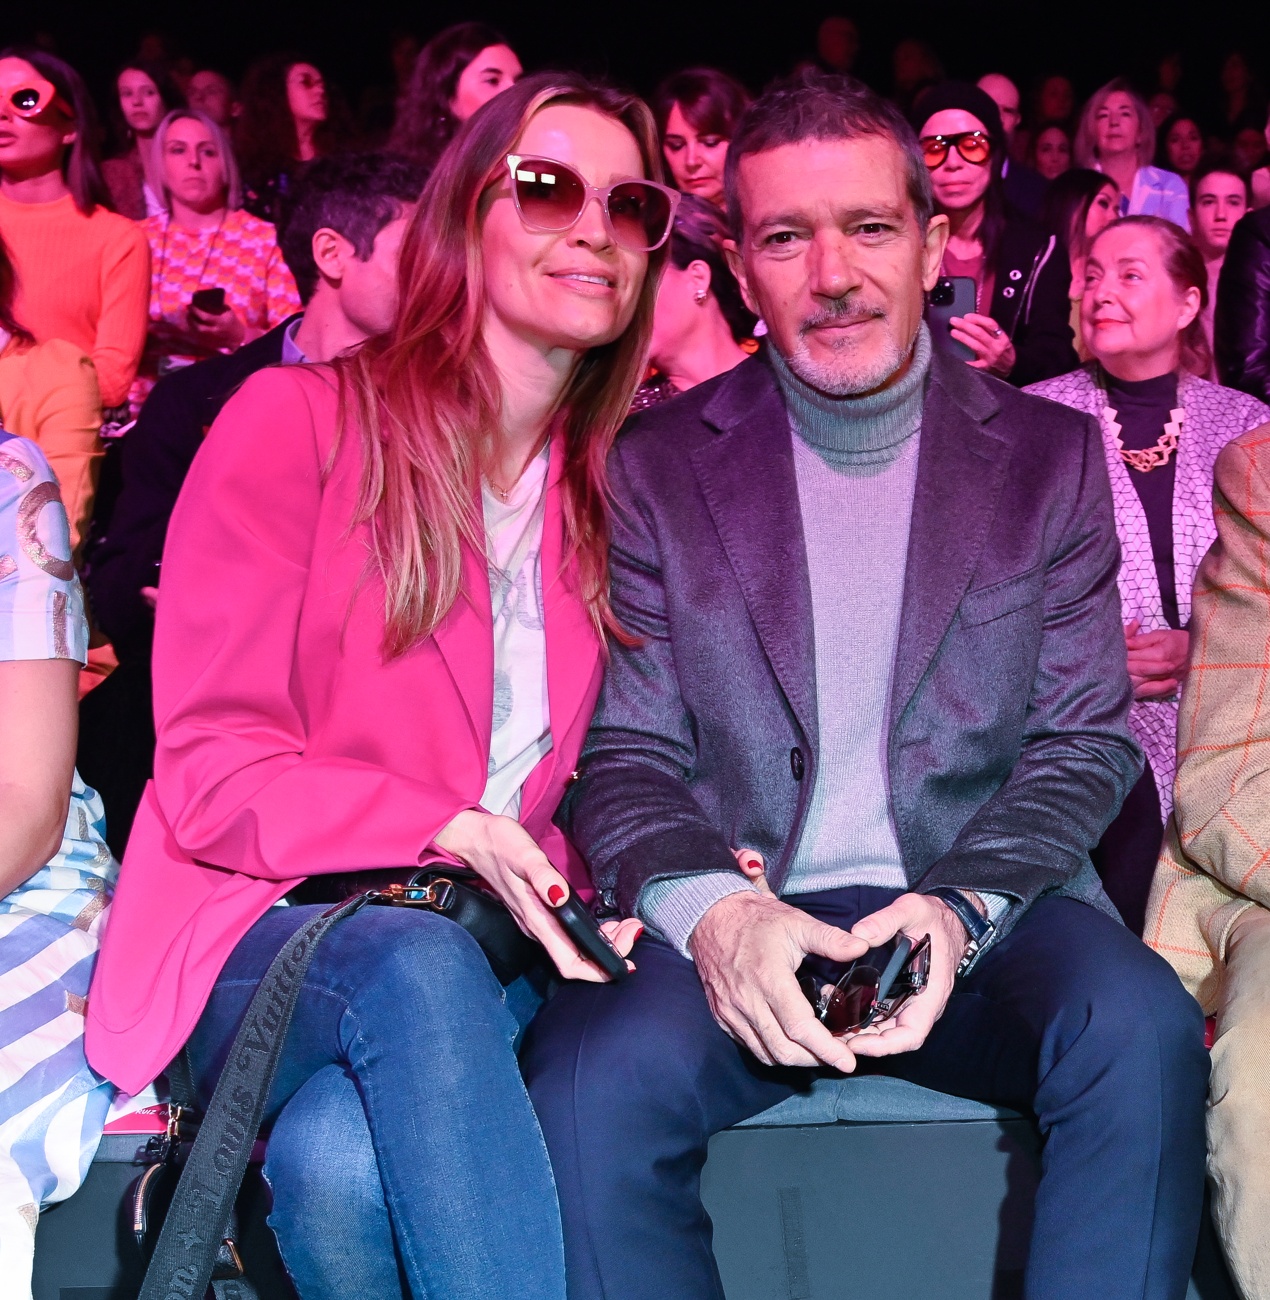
843,311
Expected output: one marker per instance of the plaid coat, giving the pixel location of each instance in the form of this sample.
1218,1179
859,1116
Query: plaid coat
1216,857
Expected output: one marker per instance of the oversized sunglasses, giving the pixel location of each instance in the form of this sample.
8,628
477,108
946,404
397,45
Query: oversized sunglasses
551,196
30,96
974,146
865,994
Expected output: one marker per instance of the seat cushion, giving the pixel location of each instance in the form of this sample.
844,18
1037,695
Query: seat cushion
872,1099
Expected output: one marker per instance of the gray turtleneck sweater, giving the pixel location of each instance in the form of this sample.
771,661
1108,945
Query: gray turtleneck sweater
855,460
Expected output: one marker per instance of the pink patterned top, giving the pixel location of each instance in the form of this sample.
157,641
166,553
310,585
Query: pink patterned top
240,255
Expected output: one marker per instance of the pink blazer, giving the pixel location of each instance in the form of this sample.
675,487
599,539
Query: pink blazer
287,744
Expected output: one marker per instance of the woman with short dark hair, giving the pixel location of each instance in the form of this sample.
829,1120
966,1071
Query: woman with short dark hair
1078,205
696,112
1181,145
1019,327
458,70
1162,427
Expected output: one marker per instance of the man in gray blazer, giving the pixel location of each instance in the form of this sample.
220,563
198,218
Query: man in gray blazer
878,647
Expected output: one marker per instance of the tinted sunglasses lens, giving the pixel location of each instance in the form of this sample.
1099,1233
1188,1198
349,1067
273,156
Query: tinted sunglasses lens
26,100
934,151
851,1000
549,196
640,215
974,148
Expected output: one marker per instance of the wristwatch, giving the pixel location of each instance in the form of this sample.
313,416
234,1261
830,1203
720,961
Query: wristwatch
978,927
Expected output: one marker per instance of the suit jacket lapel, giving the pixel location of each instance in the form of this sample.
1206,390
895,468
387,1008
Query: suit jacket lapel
960,471
465,638
747,479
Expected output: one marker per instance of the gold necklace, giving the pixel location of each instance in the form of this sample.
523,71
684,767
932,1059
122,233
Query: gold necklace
1148,458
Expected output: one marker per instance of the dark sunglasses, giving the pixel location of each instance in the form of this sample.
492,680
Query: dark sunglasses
865,995
551,196
30,96
974,146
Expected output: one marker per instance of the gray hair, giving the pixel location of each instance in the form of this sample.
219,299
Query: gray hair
1085,145
824,106
233,177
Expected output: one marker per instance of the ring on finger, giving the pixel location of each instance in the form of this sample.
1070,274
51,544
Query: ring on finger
996,333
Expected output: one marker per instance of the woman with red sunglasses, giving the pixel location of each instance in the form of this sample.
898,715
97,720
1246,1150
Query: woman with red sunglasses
83,271
379,641
1019,329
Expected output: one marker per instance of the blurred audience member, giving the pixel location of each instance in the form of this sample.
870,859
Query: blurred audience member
341,243
457,71
696,111
83,271
1117,136
381,104
1209,913
1219,199
1169,72
1055,100
143,94
285,123
1024,187
1181,145
1145,287
1241,323
49,394
213,94
701,320
1260,178
1162,106
1079,205
217,278
1051,151
1248,149
1242,102
914,67
838,43
1019,330
56,874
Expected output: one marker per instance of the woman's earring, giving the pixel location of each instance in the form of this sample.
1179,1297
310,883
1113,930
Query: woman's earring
700,297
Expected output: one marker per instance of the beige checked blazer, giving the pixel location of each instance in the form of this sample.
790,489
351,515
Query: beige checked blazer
1216,857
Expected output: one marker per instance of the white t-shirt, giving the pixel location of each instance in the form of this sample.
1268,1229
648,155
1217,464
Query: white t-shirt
522,717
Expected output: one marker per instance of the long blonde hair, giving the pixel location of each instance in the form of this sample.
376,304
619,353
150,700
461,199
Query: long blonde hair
427,398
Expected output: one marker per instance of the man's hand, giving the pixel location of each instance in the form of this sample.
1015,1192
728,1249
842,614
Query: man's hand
747,948
1157,660
913,915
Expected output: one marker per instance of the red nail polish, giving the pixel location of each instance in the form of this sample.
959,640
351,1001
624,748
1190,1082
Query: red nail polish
639,934
555,895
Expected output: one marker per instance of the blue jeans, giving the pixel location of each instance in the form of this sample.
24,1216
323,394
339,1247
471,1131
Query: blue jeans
404,1156
1069,1016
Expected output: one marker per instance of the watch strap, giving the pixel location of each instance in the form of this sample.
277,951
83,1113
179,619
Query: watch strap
978,927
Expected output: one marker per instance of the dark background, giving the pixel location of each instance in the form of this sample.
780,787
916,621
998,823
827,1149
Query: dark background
636,41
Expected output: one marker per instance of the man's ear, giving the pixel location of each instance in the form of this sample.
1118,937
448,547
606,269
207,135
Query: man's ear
331,252
737,264
934,243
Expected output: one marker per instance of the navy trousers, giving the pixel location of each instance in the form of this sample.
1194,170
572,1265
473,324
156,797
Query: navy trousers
1069,1017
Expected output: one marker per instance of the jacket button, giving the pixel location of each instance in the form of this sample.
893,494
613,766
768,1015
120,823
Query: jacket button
1016,275
796,765
1008,291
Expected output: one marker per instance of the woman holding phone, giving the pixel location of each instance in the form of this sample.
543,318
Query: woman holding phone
217,278
379,642
1018,328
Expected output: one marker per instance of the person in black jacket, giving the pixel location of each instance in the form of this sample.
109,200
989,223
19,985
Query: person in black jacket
1241,322
1020,329
341,243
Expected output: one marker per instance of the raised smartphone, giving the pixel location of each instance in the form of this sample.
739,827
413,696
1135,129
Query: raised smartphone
953,295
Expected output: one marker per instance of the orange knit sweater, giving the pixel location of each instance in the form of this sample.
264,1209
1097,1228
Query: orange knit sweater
82,279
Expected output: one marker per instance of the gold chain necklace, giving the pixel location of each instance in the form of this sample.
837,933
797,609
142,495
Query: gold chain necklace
1148,458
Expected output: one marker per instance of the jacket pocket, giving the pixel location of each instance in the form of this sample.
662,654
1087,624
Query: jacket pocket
987,603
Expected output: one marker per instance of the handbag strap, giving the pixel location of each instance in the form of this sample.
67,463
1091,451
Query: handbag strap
199,1214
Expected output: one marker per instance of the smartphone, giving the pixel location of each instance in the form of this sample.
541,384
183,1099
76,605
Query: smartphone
953,295
212,301
589,939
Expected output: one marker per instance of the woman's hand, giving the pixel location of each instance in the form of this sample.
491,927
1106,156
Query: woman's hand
224,329
1157,660
505,856
987,340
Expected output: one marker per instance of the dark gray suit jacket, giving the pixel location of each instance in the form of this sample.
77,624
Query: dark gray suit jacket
1009,752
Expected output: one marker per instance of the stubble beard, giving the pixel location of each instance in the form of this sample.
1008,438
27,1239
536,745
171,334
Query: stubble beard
846,374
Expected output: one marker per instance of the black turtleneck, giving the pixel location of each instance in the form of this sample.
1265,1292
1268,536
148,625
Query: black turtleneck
1142,409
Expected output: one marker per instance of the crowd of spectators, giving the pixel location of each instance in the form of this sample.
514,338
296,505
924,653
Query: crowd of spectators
1110,254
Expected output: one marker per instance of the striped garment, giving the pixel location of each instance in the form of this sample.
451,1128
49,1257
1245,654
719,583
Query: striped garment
52,1105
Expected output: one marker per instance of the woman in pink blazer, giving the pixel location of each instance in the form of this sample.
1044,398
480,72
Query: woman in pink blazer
379,642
